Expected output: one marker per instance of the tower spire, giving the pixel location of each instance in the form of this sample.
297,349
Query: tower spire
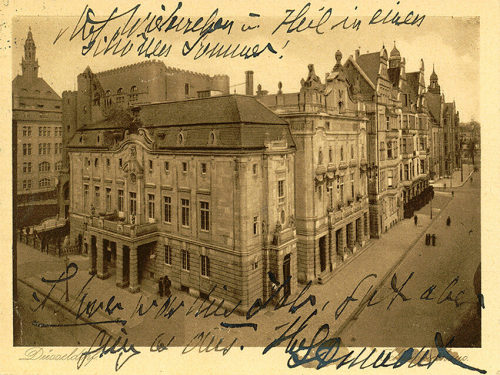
30,63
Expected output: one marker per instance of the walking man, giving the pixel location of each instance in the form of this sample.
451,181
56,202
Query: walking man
448,221
415,219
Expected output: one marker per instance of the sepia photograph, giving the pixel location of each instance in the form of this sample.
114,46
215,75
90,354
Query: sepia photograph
290,180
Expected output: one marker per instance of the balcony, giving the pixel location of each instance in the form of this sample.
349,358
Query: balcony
346,210
119,227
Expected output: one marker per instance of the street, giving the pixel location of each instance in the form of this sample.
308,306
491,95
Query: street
449,269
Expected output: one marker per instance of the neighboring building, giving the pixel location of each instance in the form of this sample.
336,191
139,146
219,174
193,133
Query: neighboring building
100,95
451,146
372,86
414,171
200,190
36,114
435,106
329,129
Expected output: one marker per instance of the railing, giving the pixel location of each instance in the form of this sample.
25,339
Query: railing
123,228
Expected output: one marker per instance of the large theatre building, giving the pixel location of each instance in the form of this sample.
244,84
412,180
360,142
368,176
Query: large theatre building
199,190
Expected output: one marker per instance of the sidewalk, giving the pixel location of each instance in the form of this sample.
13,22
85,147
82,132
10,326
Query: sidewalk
448,184
378,259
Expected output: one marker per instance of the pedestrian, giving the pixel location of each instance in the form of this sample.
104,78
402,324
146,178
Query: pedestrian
415,219
167,284
448,221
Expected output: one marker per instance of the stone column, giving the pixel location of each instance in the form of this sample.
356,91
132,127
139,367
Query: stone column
92,261
119,265
351,230
100,259
134,270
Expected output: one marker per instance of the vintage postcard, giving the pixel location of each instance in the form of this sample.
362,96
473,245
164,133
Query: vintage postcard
236,187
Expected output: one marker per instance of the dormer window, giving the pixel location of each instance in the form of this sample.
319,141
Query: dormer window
180,138
212,138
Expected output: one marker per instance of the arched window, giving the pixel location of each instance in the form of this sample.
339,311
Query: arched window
107,100
119,95
212,138
330,155
320,157
133,93
180,138
341,153
352,151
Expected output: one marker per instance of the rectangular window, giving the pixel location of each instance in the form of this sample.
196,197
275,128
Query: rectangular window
40,131
108,199
203,168
97,195
186,88
167,167
389,178
151,166
133,203
167,209
25,148
120,200
120,162
40,148
340,187
281,191
185,212
204,216
184,166
85,195
48,148
151,206
255,225
185,260
387,122
108,162
205,266
168,255
29,148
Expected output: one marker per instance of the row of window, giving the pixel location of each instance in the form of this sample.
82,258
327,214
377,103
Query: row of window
44,182
23,105
185,261
330,154
44,131
42,167
167,206
120,96
43,148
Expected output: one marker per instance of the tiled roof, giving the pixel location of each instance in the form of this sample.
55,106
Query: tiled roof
238,122
370,63
24,86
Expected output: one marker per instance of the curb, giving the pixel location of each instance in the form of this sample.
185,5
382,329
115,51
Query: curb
357,311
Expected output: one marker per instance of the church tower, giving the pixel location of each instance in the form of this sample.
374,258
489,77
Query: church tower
434,87
30,62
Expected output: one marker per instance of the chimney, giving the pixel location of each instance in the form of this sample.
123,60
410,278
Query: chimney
249,82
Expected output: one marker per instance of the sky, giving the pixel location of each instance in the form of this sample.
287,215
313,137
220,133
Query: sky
450,43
